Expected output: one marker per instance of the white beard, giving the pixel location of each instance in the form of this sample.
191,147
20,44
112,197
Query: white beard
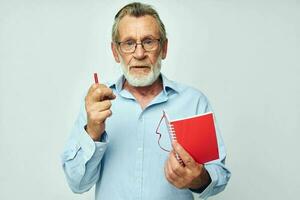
138,80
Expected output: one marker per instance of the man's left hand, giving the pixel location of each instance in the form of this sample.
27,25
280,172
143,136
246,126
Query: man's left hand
190,174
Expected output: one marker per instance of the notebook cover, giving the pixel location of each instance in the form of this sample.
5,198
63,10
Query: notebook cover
197,135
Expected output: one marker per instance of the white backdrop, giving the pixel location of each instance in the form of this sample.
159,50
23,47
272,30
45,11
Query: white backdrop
244,55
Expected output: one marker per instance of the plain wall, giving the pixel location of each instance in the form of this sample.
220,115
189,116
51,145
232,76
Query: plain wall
244,55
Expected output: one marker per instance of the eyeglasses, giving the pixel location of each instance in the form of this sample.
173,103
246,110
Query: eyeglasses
164,116
148,45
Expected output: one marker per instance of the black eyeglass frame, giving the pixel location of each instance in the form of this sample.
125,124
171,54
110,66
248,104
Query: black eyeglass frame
140,43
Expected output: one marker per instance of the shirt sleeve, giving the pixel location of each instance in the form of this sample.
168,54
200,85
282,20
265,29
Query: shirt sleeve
81,158
217,170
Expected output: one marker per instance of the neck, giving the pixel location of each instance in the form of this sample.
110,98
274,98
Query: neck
145,94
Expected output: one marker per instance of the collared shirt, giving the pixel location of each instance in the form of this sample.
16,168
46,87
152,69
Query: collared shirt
127,163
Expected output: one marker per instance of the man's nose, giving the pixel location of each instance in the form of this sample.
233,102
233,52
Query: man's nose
139,52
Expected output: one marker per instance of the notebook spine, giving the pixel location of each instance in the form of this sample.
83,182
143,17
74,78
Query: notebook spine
172,132
173,137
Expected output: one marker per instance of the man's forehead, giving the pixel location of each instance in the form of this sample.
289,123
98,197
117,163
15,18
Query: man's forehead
130,26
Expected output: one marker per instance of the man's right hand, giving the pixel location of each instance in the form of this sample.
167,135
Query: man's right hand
97,106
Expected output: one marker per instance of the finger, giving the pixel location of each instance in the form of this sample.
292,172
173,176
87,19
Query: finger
175,180
105,114
92,88
99,117
99,106
177,168
101,93
168,173
172,172
183,154
111,94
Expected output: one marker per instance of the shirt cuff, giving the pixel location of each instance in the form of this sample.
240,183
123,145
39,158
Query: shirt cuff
208,191
91,147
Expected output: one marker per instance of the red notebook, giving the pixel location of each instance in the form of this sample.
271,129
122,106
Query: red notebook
197,135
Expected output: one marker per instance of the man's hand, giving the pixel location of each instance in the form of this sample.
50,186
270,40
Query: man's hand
97,106
189,175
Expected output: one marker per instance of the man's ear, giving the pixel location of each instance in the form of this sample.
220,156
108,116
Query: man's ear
115,51
164,49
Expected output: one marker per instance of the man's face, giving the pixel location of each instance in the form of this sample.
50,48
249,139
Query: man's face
141,68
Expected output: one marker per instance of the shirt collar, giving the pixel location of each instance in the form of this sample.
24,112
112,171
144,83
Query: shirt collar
168,85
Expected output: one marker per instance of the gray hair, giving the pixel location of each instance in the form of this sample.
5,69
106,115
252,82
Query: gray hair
137,9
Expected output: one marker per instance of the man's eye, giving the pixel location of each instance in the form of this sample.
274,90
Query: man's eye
148,41
130,43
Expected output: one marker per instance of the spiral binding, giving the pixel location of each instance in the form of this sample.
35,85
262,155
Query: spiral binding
173,136
172,131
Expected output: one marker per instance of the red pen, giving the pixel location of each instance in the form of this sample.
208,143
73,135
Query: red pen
96,78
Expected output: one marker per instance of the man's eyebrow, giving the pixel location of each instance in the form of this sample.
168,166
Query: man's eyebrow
127,39
143,38
148,37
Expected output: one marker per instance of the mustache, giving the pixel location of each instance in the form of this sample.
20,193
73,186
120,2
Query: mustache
140,65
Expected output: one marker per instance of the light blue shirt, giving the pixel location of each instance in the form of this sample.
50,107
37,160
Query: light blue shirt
127,163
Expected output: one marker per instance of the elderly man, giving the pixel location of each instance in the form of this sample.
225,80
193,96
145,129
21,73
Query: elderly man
119,152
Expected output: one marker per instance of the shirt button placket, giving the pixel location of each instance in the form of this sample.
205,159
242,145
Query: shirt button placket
139,162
